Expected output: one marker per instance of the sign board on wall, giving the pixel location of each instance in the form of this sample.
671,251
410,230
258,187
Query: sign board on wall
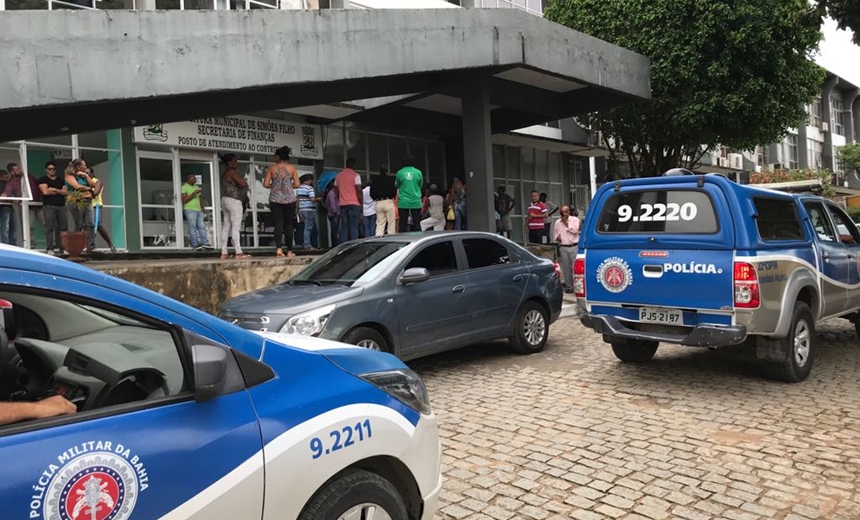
238,134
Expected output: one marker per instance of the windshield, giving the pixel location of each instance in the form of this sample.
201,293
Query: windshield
351,263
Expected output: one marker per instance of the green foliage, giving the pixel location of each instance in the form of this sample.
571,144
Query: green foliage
771,176
849,158
845,12
735,73
853,212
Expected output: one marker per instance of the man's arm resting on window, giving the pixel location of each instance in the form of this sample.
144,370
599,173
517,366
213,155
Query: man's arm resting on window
50,407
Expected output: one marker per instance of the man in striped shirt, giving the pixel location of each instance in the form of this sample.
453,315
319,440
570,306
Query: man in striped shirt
307,208
536,213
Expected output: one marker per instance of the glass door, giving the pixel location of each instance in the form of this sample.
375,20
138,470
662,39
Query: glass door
203,167
158,197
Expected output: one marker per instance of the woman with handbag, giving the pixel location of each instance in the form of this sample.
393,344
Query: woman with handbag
282,179
233,188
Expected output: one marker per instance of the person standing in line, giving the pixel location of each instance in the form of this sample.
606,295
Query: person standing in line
383,191
192,206
11,187
459,191
567,237
504,205
536,214
54,191
551,209
409,181
98,205
282,179
233,186
369,213
332,206
81,186
348,184
307,209
435,209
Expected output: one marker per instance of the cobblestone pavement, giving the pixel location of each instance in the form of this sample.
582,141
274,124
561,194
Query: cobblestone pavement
573,433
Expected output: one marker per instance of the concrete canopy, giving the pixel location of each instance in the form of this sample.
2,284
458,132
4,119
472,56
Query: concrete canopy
76,71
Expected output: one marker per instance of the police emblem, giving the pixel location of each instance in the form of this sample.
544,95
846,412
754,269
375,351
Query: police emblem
614,274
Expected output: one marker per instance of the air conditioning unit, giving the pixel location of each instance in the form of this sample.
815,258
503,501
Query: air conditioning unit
825,127
736,161
723,162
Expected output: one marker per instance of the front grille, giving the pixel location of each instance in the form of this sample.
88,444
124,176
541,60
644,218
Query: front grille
254,322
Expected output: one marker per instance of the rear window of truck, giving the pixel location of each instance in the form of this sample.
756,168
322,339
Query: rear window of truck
777,219
659,211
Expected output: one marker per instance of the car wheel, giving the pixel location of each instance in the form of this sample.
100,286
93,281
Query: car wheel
531,329
634,350
357,495
367,338
798,348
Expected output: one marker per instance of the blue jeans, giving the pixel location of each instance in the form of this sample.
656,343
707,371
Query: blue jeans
196,228
370,226
460,223
8,226
309,220
349,216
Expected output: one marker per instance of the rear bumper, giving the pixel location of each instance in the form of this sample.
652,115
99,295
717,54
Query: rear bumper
699,336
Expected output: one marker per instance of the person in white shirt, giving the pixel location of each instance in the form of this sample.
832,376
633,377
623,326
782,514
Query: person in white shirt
567,237
435,207
369,212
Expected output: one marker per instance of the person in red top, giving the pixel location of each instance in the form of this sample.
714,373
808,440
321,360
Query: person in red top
537,211
349,194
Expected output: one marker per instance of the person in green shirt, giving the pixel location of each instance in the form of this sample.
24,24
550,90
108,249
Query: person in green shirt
410,182
192,206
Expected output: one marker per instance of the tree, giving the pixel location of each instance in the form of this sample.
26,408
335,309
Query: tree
736,73
845,12
849,158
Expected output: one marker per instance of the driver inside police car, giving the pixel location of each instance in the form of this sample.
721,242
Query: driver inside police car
27,411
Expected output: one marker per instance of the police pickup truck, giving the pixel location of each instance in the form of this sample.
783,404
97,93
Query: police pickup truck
702,261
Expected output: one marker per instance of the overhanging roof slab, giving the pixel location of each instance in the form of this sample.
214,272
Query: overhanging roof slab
63,59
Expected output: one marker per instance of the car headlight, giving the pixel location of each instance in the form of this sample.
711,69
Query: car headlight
308,323
404,385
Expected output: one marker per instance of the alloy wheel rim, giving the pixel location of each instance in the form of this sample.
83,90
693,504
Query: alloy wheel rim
365,511
369,344
534,327
802,343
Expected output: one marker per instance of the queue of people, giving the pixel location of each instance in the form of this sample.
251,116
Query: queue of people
76,192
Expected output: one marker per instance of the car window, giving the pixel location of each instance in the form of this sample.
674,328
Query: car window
350,263
820,221
484,252
90,354
777,219
659,211
848,232
439,259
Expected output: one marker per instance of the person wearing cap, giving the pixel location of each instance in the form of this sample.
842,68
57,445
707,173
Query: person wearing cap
307,209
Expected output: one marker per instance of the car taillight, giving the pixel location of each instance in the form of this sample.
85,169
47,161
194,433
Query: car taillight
557,270
747,295
579,277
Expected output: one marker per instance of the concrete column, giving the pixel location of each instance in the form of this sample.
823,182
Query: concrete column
827,158
478,156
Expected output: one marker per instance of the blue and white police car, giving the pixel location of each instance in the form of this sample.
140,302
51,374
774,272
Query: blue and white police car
182,415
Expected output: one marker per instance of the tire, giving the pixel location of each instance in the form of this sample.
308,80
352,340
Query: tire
531,329
857,326
797,349
356,491
634,350
367,338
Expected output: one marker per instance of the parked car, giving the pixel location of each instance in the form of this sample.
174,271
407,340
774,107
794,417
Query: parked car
182,415
413,294
702,261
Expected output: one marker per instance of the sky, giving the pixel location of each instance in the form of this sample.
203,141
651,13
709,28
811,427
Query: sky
838,55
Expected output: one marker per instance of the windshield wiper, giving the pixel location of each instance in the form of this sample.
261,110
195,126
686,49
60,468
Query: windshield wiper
305,282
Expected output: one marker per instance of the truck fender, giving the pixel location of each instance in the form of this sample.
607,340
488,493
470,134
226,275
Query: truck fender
799,280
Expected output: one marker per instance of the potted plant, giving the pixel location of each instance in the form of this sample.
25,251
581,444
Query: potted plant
74,242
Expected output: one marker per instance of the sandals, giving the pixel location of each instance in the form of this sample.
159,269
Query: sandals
279,254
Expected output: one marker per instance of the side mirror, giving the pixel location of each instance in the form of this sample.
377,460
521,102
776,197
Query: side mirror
414,275
215,372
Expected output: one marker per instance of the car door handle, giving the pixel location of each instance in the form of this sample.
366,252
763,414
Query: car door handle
458,288
519,277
